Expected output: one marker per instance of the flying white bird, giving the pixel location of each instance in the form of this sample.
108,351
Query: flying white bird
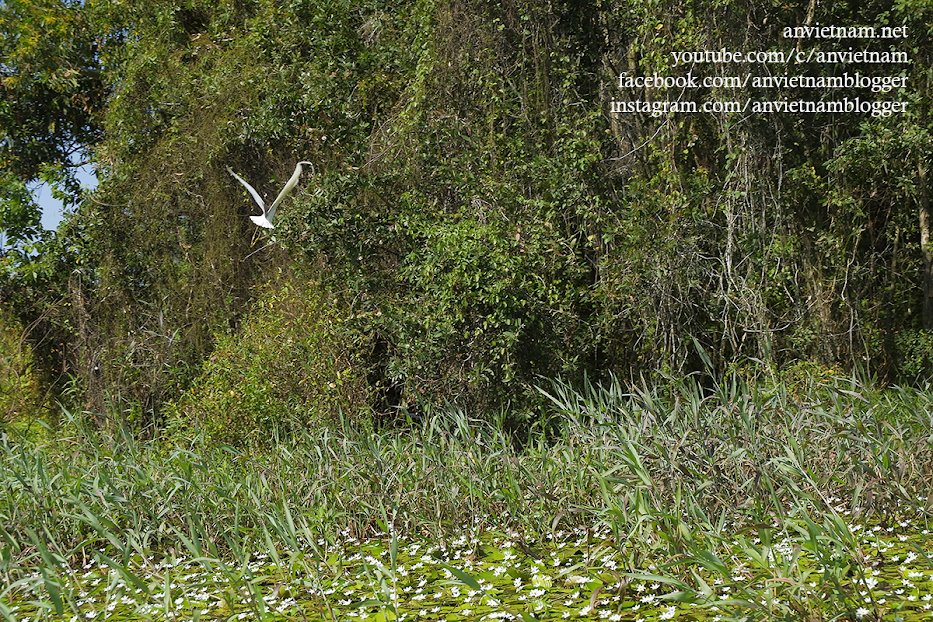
268,213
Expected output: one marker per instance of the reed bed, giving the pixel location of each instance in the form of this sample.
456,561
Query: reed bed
730,500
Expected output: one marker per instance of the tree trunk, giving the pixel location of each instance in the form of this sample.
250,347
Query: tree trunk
925,248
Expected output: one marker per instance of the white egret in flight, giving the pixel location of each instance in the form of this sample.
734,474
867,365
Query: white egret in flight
268,213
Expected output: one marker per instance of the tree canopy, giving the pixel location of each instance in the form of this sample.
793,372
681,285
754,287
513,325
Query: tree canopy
481,215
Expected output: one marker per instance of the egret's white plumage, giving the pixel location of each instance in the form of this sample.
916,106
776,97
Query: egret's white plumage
268,213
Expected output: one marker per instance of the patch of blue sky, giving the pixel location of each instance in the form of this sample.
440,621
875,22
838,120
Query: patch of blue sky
52,208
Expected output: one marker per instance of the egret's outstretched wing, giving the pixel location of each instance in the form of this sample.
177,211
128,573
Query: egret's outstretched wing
252,191
293,180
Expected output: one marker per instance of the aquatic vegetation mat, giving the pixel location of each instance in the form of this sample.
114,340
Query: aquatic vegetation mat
840,570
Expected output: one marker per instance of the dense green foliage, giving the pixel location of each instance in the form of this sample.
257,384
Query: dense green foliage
20,388
52,92
477,214
292,366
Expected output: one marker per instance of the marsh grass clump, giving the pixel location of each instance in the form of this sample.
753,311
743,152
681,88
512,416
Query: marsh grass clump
737,500
756,445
